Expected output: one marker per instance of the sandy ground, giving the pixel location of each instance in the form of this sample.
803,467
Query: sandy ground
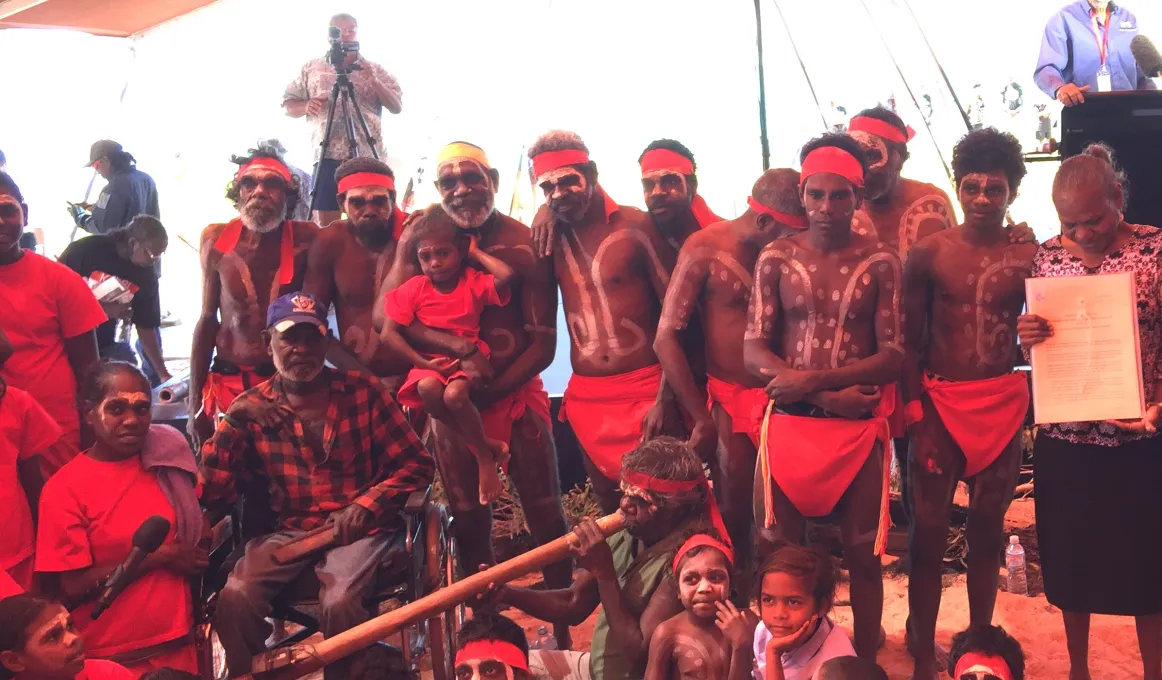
1032,620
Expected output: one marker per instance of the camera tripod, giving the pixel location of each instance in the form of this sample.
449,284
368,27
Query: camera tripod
342,95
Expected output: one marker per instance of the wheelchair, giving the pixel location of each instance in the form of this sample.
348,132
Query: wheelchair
423,560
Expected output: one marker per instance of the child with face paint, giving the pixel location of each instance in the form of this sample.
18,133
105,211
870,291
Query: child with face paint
984,652
38,641
795,637
711,639
92,507
449,296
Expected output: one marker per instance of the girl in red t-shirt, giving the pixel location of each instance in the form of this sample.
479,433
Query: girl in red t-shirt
39,642
90,509
449,296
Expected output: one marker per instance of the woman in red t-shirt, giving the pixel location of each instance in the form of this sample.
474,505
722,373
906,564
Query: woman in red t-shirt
90,509
38,642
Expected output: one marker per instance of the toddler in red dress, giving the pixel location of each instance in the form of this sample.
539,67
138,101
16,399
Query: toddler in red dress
449,296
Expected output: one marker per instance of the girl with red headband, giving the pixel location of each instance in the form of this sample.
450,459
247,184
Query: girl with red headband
711,638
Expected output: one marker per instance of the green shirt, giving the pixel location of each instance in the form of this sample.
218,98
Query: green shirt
639,576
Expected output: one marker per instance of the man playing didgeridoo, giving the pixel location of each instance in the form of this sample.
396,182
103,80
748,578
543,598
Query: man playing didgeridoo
964,289
826,331
612,267
713,280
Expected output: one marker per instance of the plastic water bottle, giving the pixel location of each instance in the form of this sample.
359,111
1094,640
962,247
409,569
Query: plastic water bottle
544,640
1015,561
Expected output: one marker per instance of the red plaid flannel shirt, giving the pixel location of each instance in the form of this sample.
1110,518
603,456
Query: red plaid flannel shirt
371,456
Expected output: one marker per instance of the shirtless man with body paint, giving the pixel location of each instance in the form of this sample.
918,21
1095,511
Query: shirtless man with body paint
349,261
612,266
713,282
522,337
963,291
825,331
246,263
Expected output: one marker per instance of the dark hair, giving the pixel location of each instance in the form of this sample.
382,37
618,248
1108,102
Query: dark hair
234,192
362,164
169,674
991,641
670,145
96,383
1095,166
987,150
891,118
8,187
489,625
698,550
810,564
671,459
120,160
434,223
838,140
850,668
563,140
143,229
778,188
17,613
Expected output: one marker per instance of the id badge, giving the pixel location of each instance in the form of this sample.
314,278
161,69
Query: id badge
1104,79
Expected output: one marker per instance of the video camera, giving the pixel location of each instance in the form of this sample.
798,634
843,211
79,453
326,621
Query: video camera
337,55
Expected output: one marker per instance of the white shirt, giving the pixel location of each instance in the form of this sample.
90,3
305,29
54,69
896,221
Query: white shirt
828,642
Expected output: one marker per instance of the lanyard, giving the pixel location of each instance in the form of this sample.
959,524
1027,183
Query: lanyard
1103,41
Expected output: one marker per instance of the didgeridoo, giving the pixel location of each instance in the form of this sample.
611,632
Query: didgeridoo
300,660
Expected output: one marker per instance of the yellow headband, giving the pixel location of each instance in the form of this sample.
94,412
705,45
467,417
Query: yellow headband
458,150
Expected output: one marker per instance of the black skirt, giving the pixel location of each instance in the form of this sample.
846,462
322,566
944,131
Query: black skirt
1099,525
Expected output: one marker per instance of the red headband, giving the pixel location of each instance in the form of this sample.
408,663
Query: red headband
494,650
832,160
551,160
664,159
365,179
880,128
975,662
795,221
699,540
670,486
272,164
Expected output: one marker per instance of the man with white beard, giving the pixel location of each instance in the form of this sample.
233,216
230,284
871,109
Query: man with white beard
247,263
506,387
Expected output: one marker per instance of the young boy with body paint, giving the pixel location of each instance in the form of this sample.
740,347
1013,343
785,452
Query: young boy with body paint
795,637
711,639
449,296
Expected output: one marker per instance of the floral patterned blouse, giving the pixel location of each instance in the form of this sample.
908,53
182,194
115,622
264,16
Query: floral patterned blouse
315,82
1140,255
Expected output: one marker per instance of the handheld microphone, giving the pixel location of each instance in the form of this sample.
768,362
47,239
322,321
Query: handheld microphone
1147,56
148,538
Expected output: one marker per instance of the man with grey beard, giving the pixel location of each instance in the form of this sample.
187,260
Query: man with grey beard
348,263
522,336
246,264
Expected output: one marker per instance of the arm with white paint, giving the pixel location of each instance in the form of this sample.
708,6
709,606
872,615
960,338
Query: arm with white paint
502,274
658,263
661,661
917,301
680,304
763,317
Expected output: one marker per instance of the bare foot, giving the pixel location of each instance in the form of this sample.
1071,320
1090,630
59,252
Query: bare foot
490,486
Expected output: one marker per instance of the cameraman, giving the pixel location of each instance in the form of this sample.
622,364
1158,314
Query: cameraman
309,95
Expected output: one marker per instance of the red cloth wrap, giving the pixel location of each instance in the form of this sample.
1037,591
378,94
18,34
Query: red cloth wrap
551,160
228,241
365,179
221,390
699,540
819,458
500,417
880,128
796,221
833,160
744,405
607,413
982,416
271,164
975,662
493,650
674,486
702,212
409,391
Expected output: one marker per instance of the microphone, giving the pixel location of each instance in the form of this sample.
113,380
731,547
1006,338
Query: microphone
1147,56
148,538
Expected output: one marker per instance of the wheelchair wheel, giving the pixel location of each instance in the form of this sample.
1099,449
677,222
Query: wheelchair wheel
440,569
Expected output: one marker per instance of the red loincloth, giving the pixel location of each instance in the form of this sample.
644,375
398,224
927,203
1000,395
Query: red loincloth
221,390
982,416
817,459
744,405
607,413
499,418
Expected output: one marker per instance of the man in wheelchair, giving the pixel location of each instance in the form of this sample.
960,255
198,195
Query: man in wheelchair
337,458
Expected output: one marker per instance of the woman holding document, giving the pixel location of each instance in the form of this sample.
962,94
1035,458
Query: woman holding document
1098,482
